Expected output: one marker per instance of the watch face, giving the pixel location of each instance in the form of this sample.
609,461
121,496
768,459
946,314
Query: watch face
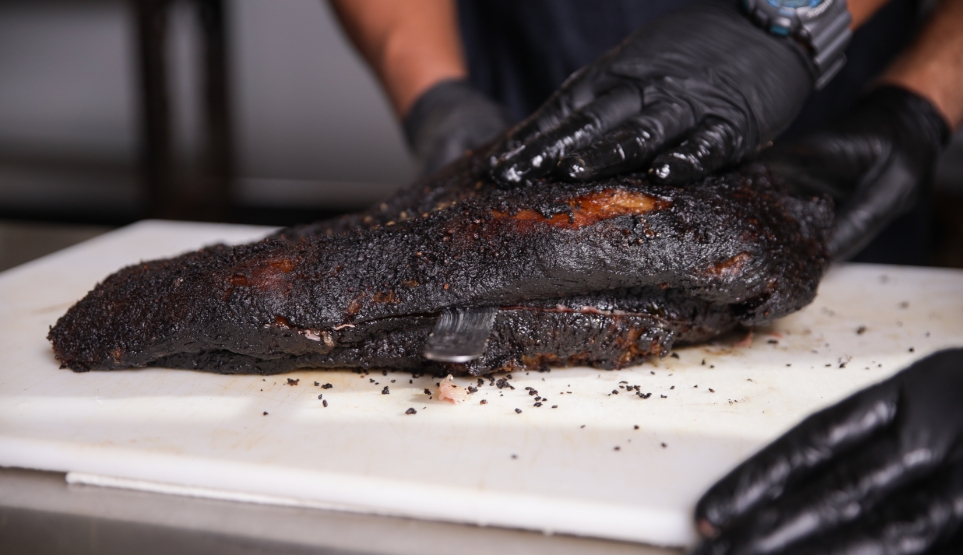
794,4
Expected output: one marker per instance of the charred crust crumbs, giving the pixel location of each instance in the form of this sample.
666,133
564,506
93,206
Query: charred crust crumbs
385,391
325,403
411,411
327,386
519,411
293,382
603,274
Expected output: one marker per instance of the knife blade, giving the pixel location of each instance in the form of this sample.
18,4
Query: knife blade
460,334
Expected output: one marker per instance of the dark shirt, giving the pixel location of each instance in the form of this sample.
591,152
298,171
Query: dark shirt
520,51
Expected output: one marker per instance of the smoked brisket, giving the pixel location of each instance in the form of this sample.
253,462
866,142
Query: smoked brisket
601,274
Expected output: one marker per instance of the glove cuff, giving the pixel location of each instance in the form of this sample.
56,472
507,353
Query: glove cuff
916,112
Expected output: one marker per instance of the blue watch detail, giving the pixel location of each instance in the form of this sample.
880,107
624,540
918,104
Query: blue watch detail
820,26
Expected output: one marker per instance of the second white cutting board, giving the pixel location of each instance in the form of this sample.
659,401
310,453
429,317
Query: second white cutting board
603,463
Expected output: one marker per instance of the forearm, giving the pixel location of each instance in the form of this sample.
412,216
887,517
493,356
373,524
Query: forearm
862,10
933,66
411,45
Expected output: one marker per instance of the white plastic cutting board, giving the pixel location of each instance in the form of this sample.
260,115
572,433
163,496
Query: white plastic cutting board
581,468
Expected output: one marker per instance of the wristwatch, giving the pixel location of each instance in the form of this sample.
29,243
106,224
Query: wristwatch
820,26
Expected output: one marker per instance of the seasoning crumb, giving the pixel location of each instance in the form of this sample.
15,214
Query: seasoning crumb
703,362
696,386
912,350
664,445
636,427
327,386
673,387
615,392
651,372
617,448
663,396
712,390
514,456
325,403
554,406
519,411
411,411
538,404
583,425
293,382
385,391
427,391
674,355
319,396
316,384
483,402
392,381
265,413
712,366
860,330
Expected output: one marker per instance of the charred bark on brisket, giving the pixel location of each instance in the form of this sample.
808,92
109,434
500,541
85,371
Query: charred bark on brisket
601,274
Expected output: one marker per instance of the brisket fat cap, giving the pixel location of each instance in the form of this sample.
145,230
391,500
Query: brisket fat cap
602,273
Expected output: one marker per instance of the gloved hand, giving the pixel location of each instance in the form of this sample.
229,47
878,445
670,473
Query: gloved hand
698,89
873,162
448,119
880,472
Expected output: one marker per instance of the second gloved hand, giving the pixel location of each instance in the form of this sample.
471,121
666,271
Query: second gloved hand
873,162
696,90
878,473
448,119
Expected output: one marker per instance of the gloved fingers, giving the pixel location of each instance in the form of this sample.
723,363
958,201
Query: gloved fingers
879,198
546,117
849,489
576,92
812,444
924,518
539,155
632,145
710,147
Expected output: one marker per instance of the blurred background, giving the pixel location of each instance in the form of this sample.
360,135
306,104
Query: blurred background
247,111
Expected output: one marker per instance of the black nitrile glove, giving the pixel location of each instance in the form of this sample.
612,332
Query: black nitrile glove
448,119
691,92
878,473
873,162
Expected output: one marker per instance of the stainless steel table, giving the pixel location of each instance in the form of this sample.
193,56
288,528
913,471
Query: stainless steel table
41,514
